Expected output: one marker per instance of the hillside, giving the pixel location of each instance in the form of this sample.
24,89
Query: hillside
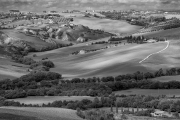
41,113
171,33
109,62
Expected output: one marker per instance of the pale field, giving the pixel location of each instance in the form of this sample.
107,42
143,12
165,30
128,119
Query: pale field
112,26
42,113
169,16
151,92
166,59
34,100
167,78
110,62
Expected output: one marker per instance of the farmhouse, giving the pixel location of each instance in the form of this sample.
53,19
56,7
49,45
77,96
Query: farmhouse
151,41
81,39
159,113
82,52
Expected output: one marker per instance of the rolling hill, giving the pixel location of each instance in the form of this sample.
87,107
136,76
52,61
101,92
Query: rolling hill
110,62
40,113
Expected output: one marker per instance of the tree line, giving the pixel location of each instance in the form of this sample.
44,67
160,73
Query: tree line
52,84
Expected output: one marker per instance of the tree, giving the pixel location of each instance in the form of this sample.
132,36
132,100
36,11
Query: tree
116,107
176,114
111,108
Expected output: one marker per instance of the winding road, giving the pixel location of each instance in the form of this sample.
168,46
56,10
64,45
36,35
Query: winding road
156,52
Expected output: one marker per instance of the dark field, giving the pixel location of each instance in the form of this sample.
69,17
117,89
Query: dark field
7,116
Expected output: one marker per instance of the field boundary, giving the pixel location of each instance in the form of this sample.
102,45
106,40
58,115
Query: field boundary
156,52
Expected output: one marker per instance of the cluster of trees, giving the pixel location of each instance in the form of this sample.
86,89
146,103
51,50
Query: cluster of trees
167,24
137,76
88,51
130,39
149,102
95,115
140,21
52,84
139,102
33,84
83,104
34,65
23,60
101,42
52,47
19,88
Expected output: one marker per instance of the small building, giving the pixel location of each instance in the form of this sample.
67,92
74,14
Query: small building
151,41
81,39
82,52
158,114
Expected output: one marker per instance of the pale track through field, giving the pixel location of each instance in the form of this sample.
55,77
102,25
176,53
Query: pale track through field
156,52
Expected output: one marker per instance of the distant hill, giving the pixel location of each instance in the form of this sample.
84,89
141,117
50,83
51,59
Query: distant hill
10,46
31,39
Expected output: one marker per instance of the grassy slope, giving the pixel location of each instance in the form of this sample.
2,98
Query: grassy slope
32,41
9,69
113,61
166,59
49,99
171,33
42,113
113,26
155,92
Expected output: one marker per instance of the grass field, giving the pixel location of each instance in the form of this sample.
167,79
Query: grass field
7,116
166,59
113,26
40,113
152,92
32,41
10,69
49,99
167,78
114,61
